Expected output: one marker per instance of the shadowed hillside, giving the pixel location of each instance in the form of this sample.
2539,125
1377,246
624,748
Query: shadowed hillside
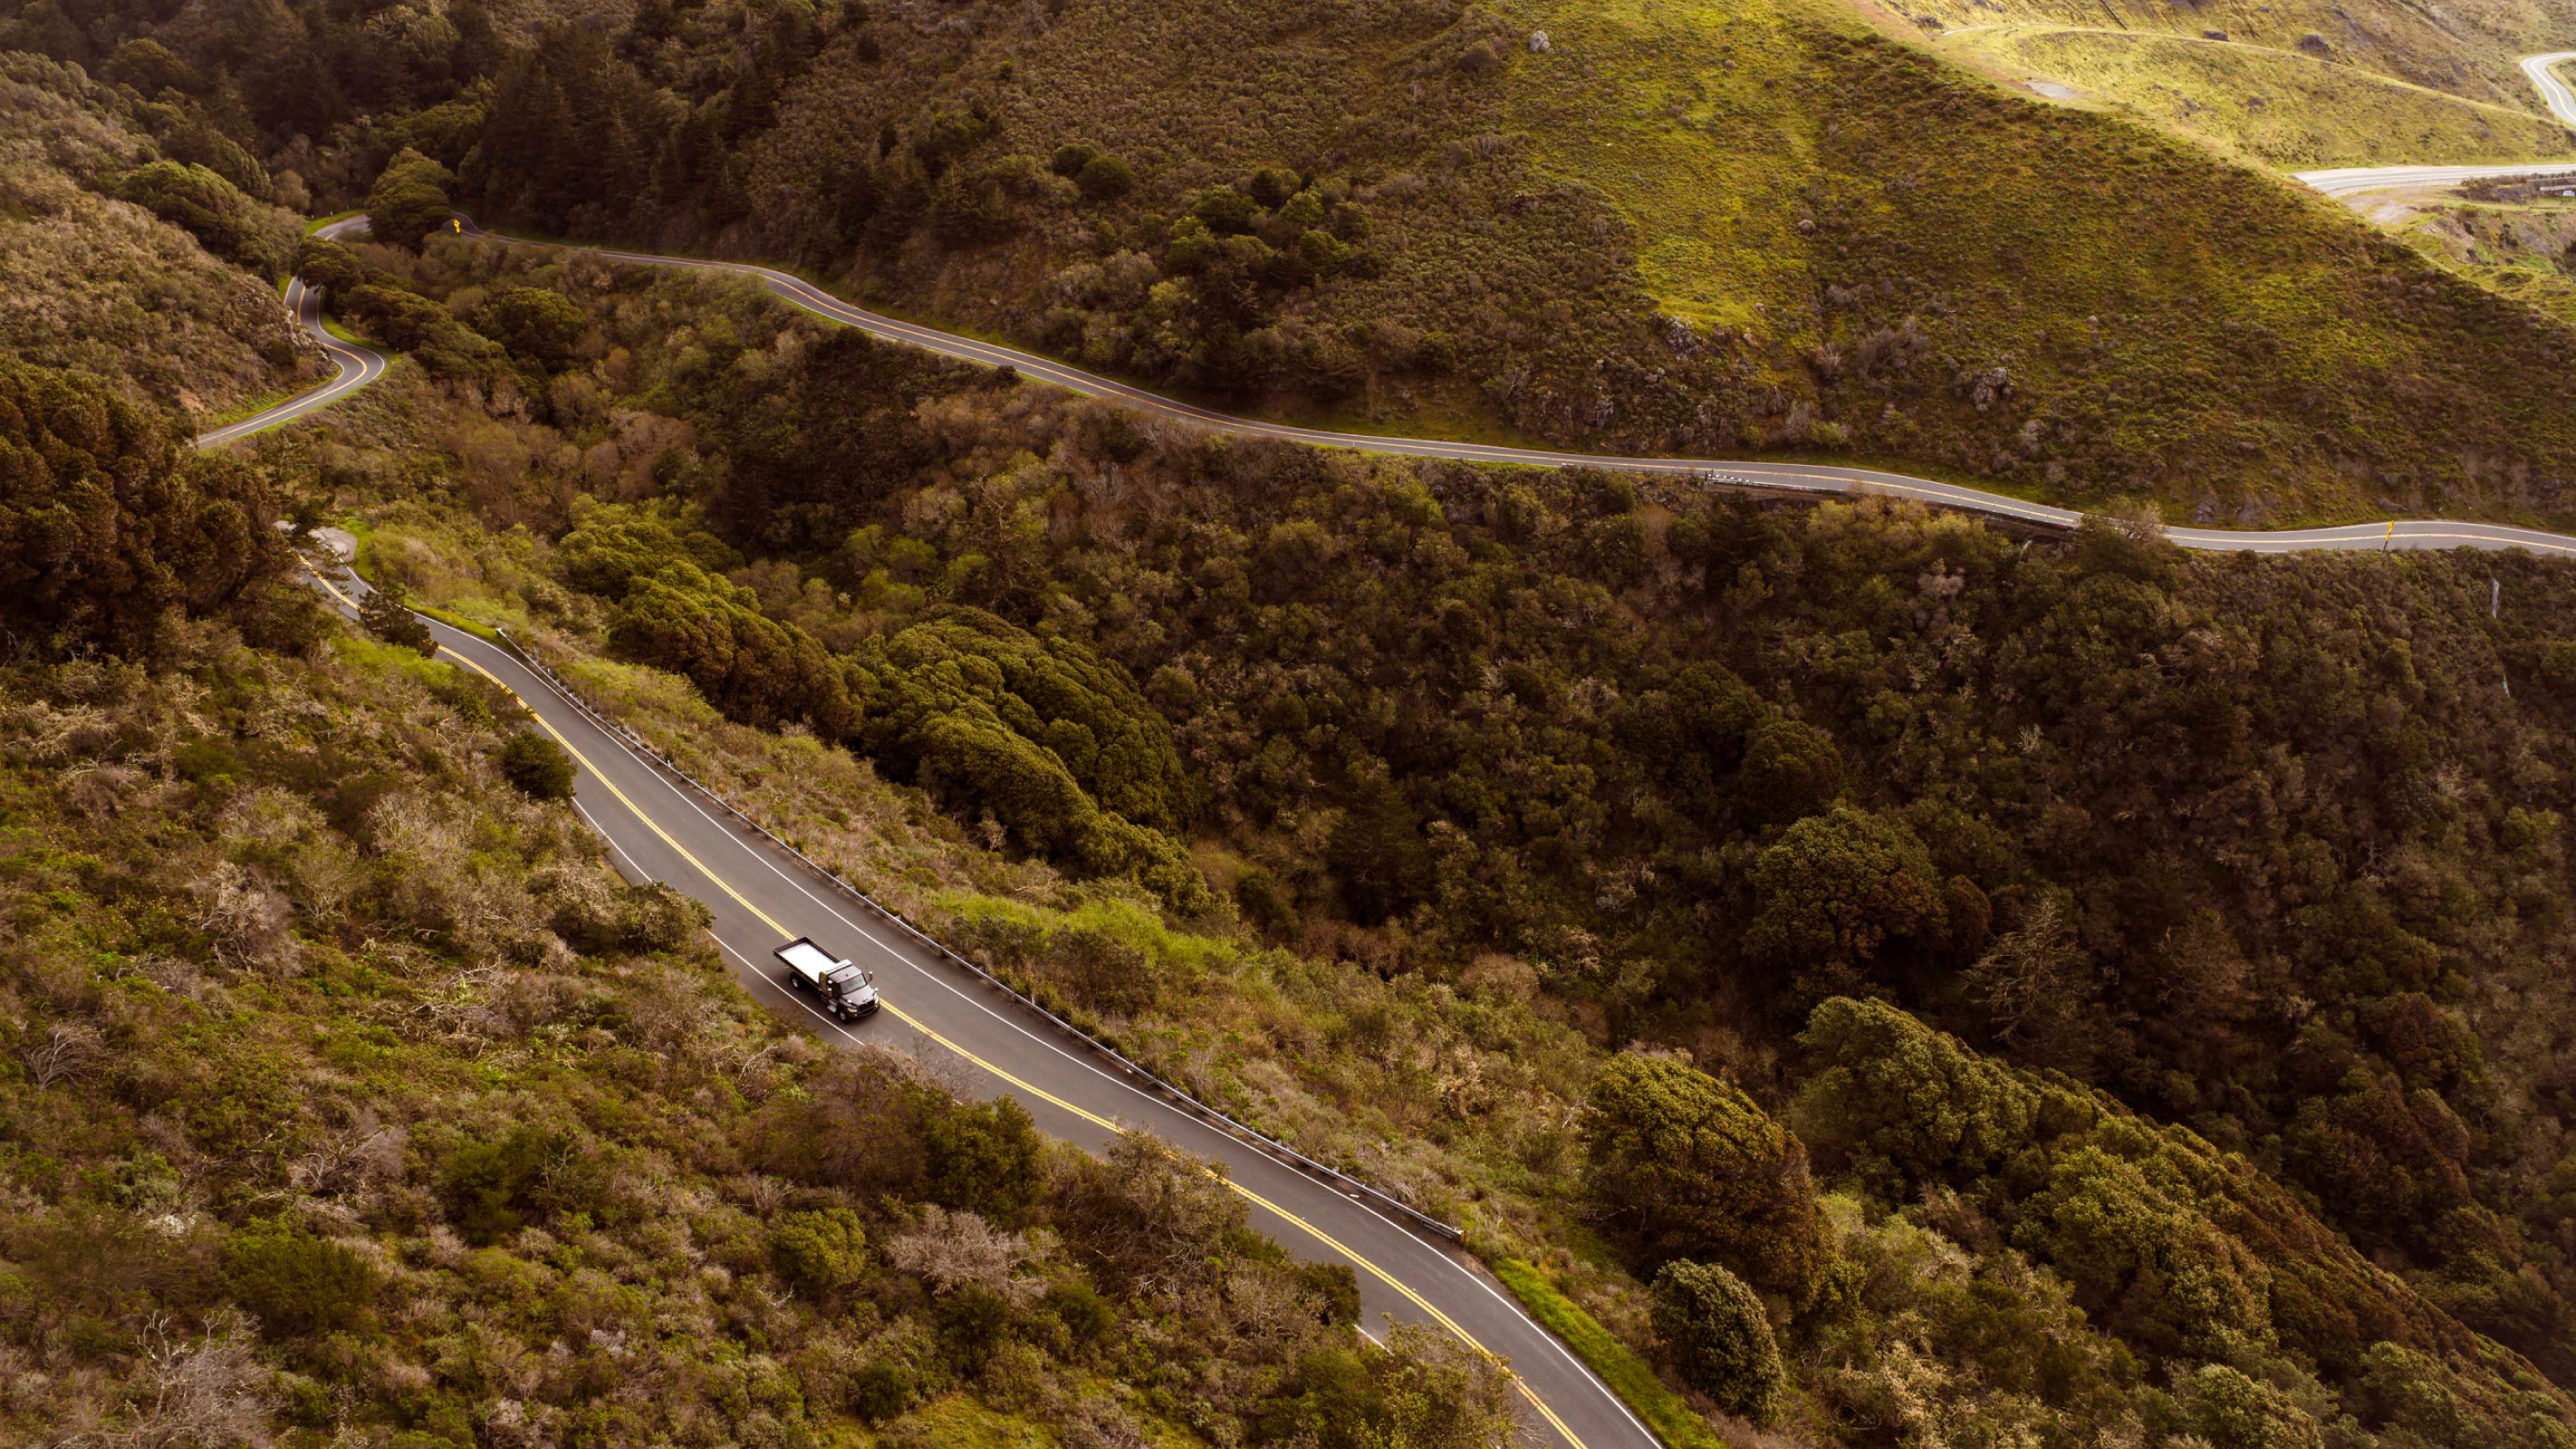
1662,229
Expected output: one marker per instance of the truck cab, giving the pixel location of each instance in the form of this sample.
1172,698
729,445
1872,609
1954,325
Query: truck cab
843,989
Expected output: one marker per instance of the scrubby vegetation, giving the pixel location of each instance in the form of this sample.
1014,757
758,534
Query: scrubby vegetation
1904,981
2469,50
125,226
2508,239
2276,107
1487,773
350,1097
109,532
1665,229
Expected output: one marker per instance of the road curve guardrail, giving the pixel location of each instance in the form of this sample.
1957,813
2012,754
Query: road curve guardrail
1171,1091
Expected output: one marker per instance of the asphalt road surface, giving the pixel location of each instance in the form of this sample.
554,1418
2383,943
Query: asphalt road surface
2354,180
362,366
357,366
660,828
1794,477
2543,70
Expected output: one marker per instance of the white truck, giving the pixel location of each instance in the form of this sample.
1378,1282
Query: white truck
844,990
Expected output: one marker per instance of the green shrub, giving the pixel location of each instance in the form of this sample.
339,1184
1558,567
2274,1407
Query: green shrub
1338,1286
386,616
540,325
1080,1308
409,200
1714,1328
1688,1167
296,1284
212,210
151,68
1837,888
820,1252
1791,771
492,1189
202,762
2232,1411
538,767
338,270
985,1158
106,528
879,1391
1105,178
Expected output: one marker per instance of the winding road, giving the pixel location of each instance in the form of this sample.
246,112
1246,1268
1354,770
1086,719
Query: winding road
2554,93
2425,533
355,366
2543,71
659,826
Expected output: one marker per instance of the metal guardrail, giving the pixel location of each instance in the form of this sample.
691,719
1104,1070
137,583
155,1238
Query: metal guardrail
1225,1122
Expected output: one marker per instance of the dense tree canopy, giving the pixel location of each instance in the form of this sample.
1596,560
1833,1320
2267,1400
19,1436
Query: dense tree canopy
213,210
678,615
409,200
1689,1167
1057,746
107,525
1719,1338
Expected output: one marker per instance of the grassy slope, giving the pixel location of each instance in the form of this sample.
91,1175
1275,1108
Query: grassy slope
97,284
1628,1375
2163,316
2274,107
294,897
2468,49
2527,251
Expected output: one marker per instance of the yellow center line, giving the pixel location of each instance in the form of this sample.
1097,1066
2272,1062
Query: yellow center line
631,807
1257,1200
1031,1088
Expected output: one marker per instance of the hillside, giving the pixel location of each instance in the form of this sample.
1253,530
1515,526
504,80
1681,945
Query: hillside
2467,50
2513,242
94,275
1906,981
1660,769
350,1095
2290,109
1669,230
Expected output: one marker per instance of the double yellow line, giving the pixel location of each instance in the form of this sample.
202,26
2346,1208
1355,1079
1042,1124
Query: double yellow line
1016,1082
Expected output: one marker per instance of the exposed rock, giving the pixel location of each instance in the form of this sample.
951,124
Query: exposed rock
1983,388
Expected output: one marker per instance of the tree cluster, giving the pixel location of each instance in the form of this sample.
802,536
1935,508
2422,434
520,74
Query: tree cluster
109,529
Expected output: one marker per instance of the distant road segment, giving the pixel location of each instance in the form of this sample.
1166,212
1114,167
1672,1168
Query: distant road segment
1793,477
365,365
2543,70
2554,93
357,365
2353,180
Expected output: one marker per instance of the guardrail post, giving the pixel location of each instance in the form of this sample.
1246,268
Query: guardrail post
1224,1123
